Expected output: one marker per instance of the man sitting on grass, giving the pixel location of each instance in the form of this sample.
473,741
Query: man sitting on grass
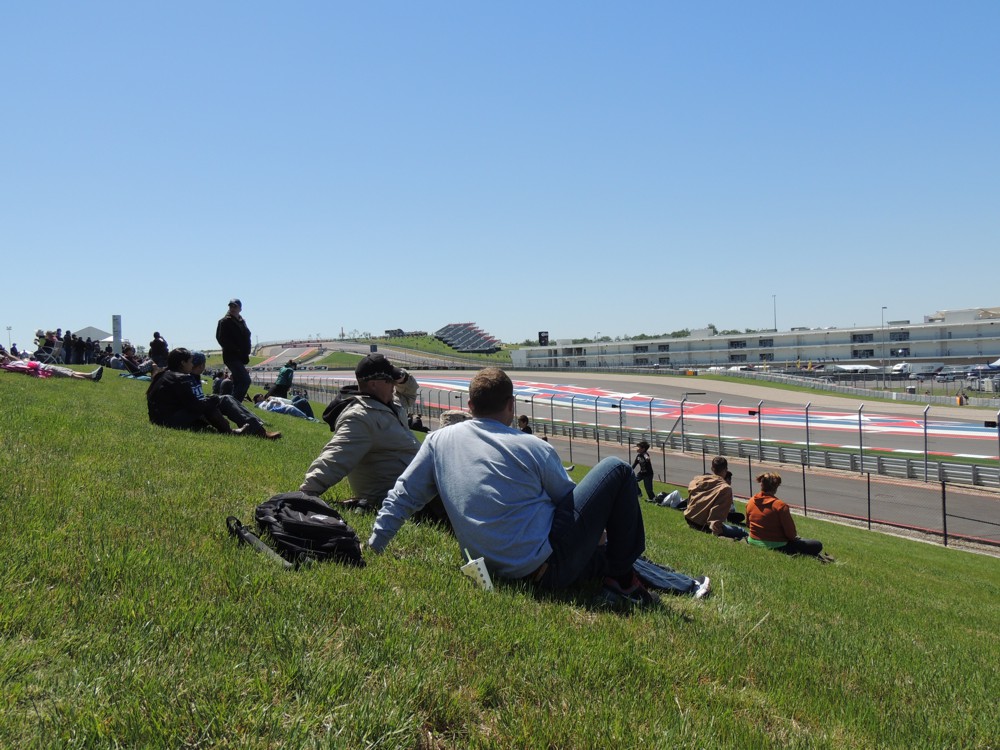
371,443
710,502
511,502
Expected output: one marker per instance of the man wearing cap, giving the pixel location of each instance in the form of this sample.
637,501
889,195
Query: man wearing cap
371,443
234,338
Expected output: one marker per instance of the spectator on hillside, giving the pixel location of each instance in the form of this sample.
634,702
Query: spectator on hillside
234,338
771,523
371,443
31,367
644,474
284,380
67,349
710,501
14,352
416,423
511,502
297,406
232,409
158,350
524,425
171,401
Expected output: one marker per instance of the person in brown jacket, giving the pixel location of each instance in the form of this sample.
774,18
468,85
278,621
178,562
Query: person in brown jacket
771,523
710,499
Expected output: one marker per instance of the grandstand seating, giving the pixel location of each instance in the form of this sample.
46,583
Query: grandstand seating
468,337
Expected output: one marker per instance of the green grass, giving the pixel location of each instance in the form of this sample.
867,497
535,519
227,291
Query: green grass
431,345
339,360
129,618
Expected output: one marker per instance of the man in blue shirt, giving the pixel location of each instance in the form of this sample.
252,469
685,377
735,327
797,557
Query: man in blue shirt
511,502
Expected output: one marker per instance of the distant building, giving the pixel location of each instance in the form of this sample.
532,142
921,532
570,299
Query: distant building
949,337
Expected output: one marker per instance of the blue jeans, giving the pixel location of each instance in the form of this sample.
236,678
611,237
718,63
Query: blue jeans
241,378
302,404
237,412
606,499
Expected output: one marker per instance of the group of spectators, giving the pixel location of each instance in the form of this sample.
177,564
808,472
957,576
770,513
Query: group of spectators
768,522
502,491
62,348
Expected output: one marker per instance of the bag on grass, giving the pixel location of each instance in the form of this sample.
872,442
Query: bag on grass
302,527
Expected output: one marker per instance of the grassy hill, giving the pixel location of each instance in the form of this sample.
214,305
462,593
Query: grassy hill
129,618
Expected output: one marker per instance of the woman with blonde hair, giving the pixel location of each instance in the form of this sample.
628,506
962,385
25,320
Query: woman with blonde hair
771,524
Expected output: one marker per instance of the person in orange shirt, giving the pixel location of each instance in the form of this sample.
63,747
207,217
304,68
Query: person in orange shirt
771,524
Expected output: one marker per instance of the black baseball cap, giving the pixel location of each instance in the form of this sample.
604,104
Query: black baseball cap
376,367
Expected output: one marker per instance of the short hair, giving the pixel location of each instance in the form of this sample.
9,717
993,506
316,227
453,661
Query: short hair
719,464
177,357
197,358
522,418
769,482
489,392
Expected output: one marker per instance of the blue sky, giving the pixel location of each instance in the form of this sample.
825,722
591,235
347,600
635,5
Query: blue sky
577,167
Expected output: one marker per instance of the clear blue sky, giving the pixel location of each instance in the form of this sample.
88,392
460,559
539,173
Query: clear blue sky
575,167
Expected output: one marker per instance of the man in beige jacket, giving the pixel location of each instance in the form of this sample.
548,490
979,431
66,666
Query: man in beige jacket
710,499
372,443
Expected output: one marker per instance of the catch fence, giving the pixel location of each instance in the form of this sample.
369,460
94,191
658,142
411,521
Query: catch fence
925,493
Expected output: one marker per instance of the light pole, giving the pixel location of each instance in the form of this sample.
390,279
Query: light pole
882,361
8,338
774,303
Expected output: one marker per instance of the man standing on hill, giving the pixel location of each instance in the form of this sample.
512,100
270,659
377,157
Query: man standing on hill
234,338
372,443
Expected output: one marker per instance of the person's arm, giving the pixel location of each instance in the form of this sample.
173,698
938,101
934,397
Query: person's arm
351,441
406,391
555,480
413,490
787,523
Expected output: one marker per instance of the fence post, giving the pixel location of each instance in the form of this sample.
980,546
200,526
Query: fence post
805,504
944,513
663,452
869,483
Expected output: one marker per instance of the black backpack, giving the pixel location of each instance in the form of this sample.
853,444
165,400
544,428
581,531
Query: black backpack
303,527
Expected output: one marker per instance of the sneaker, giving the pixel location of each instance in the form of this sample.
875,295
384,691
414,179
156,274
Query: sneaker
704,586
96,374
635,593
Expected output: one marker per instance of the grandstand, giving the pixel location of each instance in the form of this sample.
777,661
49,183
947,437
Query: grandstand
469,338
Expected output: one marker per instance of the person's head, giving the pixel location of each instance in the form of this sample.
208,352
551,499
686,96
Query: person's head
291,363
720,466
197,362
235,306
522,421
769,482
491,394
179,360
156,334
377,376
642,445
258,397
